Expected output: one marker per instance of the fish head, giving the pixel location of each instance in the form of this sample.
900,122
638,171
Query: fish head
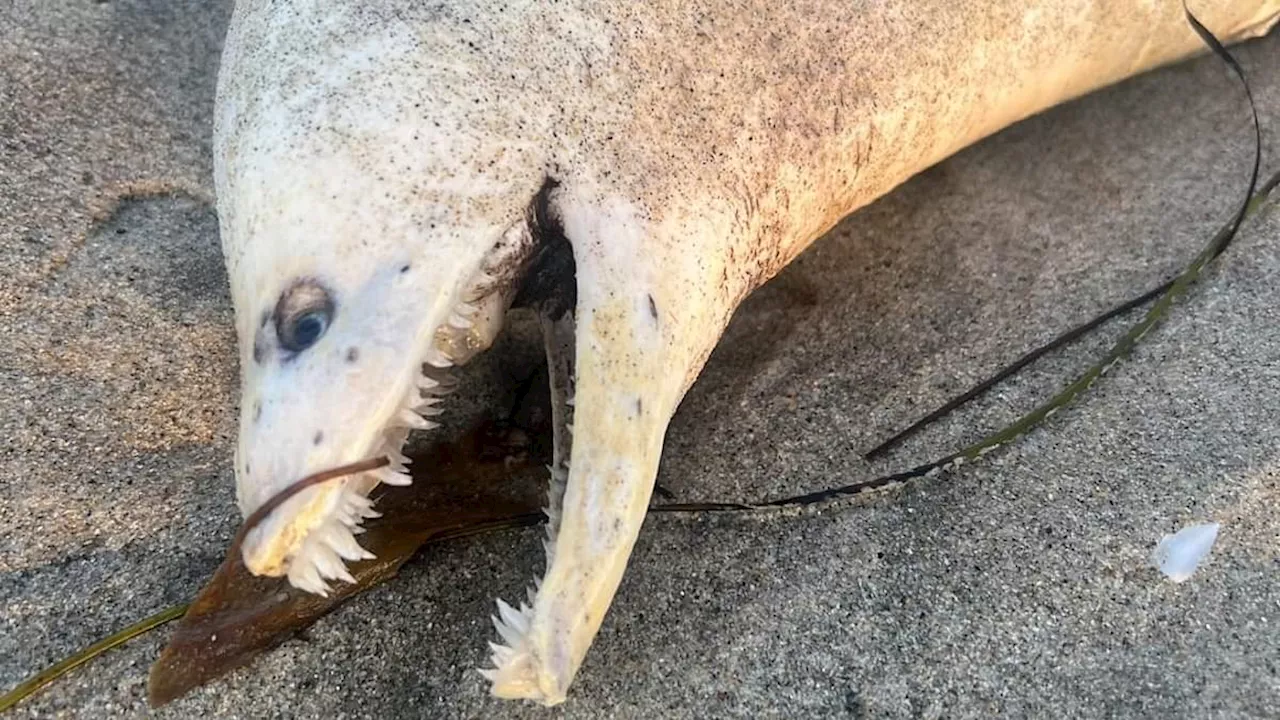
379,215
368,250
350,311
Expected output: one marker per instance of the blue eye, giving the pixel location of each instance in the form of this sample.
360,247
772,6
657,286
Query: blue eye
303,315
307,329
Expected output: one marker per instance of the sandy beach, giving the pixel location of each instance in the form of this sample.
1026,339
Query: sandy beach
1017,586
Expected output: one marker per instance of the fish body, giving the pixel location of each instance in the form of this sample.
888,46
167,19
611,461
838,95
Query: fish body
391,174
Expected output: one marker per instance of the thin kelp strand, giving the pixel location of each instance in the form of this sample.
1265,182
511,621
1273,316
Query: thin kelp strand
1062,340
1213,250
1221,240
57,670
48,675
257,516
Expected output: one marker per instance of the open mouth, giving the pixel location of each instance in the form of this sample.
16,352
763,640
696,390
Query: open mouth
607,320
311,538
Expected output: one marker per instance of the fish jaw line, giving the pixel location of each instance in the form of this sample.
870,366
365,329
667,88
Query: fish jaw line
311,536
308,534
644,322
546,639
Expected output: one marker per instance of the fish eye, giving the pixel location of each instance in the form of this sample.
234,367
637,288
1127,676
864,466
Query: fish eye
303,314
308,328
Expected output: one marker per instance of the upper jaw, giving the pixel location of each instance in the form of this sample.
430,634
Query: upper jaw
311,535
345,411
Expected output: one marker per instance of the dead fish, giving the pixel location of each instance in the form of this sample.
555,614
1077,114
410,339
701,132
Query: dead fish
393,176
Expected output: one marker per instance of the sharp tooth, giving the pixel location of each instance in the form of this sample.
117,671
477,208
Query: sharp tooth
427,383
501,654
411,419
387,476
490,675
459,322
516,619
509,634
439,384
361,506
344,543
345,575
435,358
441,376
304,576
328,563
427,406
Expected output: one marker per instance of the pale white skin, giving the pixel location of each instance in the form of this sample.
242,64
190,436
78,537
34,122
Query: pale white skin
382,150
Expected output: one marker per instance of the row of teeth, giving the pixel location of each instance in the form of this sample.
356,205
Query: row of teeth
326,549
513,624
322,555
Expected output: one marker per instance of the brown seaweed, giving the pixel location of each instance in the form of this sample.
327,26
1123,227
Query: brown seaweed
492,477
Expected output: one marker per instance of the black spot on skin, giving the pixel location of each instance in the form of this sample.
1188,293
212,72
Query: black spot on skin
353,354
653,308
266,318
318,438
257,411
405,268
246,468
259,352
639,406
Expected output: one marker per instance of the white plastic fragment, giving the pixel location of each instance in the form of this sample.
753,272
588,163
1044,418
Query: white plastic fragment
1178,555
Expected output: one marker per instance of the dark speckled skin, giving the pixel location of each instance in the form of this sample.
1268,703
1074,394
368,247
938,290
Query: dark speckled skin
700,147
767,121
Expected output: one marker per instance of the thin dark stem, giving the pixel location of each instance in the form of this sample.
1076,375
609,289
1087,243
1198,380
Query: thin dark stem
257,516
